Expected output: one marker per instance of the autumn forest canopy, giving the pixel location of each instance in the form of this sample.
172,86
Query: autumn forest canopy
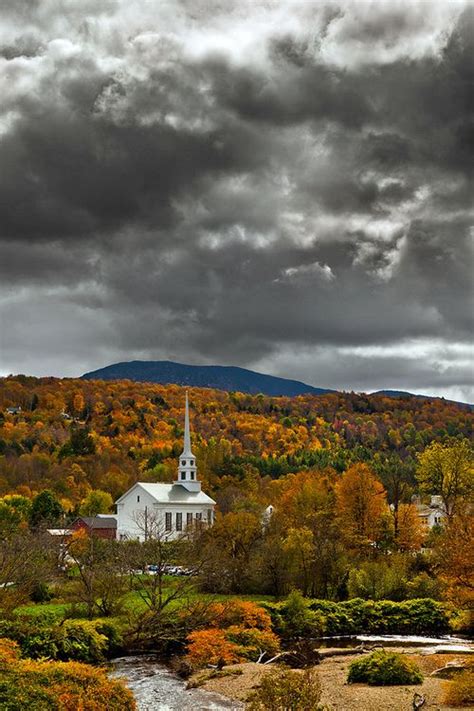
72,436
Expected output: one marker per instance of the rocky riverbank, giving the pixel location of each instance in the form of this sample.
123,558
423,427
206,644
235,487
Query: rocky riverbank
337,695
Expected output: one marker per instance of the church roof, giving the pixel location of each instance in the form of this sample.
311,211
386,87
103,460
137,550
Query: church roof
171,494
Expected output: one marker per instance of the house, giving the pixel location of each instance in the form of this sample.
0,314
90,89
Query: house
101,526
14,410
150,510
432,514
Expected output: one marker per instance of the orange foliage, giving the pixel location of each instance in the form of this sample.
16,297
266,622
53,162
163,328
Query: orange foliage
137,427
240,612
211,646
361,504
410,533
67,686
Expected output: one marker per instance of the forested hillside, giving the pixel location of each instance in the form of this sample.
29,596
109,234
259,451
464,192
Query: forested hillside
72,436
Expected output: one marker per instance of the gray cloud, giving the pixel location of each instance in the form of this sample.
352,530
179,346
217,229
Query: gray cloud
238,183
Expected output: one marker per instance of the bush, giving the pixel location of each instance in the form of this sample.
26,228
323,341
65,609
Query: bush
211,647
383,668
460,691
288,690
420,616
253,641
295,617
57,686
72,640
41,593
239,612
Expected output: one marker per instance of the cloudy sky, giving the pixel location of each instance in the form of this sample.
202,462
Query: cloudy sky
278,185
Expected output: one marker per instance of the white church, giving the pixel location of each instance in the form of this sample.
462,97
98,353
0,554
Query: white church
151,509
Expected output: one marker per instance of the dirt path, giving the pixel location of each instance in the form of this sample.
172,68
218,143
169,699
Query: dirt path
337,695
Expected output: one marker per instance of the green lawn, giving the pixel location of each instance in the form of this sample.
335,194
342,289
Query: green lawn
57,609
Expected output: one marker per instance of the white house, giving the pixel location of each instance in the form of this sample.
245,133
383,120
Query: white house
432,514
150,509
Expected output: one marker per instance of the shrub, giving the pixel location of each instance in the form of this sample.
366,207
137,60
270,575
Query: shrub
41,592
288,690
253,641
73,640
240,612
383,668
420,616
297,619
212,647
57,686
460,691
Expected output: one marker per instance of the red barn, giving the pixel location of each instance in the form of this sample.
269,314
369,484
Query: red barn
100,526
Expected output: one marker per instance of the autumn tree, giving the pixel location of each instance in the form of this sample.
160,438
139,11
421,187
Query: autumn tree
96,502
447,471
229,546
100,581
361,506
454,557
397,477
409,533
26,560
149,561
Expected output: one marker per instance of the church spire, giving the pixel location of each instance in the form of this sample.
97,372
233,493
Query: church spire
187,469
187,433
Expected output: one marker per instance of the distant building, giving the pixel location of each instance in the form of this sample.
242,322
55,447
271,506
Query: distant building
101,526
432,514
148,509
267,515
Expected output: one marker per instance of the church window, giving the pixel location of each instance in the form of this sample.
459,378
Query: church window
199,516
179,521
138,499
183,462
192,475
192,462
167,521
189,519
183,475
209,516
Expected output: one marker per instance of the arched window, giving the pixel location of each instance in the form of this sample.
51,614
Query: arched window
183,475
192,475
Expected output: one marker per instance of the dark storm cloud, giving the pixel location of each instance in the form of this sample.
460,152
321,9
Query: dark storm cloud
237,183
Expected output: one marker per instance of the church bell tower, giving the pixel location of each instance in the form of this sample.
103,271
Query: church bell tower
187,469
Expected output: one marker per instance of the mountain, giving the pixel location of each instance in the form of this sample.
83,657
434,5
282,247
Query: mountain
204,376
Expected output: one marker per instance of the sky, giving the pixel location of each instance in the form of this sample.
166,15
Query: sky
284,186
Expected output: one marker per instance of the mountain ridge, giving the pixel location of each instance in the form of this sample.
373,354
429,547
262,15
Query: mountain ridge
221,377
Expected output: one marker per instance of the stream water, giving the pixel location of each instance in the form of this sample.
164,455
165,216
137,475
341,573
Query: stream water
156,688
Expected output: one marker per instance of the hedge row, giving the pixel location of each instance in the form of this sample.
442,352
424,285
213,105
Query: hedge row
314,618
71,640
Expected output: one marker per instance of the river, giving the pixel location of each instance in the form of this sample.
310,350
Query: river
157,689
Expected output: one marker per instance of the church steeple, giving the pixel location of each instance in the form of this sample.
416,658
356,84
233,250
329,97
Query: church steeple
187,433
187,469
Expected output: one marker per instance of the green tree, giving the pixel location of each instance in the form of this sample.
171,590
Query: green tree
80,444
96,502
447,471
45,510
